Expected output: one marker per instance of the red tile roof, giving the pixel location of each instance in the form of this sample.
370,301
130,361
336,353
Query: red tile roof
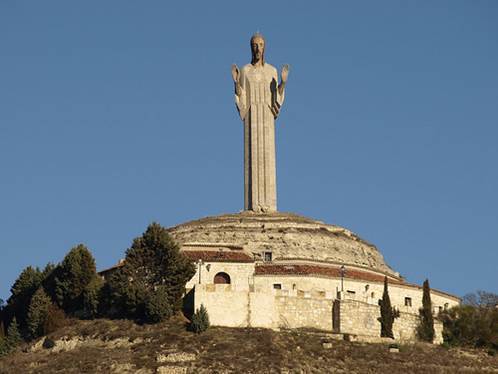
219,256
326,271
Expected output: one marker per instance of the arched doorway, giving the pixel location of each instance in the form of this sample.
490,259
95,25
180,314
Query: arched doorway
222,278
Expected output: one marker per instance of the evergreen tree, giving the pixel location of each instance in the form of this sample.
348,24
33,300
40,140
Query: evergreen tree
158,305
151,283
200,320
22,290
13,335
73,279
425,329
38,312
387,314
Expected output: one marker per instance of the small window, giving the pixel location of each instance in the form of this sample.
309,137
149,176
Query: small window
267,256
446,305
277,286
440,309
408,301
351,293
372,295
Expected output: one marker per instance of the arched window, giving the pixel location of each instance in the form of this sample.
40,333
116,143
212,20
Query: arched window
222,278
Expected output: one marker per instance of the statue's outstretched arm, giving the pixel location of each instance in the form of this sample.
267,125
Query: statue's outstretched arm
240,93
236,79
283,81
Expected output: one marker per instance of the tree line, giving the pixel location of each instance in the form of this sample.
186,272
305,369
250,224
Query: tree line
472,324
148,288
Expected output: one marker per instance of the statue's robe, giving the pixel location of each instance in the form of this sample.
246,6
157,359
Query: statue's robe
259,103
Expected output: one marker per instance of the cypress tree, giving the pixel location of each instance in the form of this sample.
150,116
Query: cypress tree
387,314
425,329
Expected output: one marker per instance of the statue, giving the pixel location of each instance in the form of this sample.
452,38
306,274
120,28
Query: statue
259,98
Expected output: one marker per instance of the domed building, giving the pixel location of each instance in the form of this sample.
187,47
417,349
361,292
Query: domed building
281,270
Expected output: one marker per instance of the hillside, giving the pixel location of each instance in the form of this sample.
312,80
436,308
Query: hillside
105,346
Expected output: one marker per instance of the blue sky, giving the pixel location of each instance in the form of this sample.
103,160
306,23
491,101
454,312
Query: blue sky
116,114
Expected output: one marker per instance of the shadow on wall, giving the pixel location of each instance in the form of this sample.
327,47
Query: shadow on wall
188,304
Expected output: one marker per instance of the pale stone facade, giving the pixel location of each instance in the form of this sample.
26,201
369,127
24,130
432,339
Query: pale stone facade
256,297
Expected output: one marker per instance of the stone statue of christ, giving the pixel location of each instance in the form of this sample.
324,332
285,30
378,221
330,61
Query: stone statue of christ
259,97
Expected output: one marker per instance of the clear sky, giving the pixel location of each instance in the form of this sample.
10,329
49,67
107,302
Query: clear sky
114,114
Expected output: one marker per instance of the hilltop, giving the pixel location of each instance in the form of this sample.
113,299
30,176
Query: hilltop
122,346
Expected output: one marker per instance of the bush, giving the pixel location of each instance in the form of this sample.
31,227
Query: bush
471,326
425,329
48,343
200,320
56,318
151,284
37,313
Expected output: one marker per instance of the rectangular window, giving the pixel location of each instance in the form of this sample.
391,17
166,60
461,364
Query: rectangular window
408,301
277,286
267,256
351,293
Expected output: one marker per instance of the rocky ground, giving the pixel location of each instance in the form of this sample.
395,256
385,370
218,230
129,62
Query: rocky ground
105,346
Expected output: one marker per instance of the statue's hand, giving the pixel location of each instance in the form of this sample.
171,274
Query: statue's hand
285,73
235,73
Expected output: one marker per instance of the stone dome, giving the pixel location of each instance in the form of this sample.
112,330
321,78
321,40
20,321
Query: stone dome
288,236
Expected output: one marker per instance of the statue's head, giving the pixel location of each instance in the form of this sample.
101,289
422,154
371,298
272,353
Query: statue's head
258,48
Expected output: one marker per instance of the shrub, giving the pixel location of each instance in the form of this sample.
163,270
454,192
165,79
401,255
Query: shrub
151,284
56,318
38,312
425,330
200,320
387,314
48,343
471,326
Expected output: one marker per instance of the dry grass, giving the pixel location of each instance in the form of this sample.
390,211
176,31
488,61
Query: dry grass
222,350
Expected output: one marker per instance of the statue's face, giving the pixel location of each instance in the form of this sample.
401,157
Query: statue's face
257,48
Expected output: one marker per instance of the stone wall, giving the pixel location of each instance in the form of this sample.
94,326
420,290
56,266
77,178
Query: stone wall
358,318
236,308
364,291
293,309
296,312
239,308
